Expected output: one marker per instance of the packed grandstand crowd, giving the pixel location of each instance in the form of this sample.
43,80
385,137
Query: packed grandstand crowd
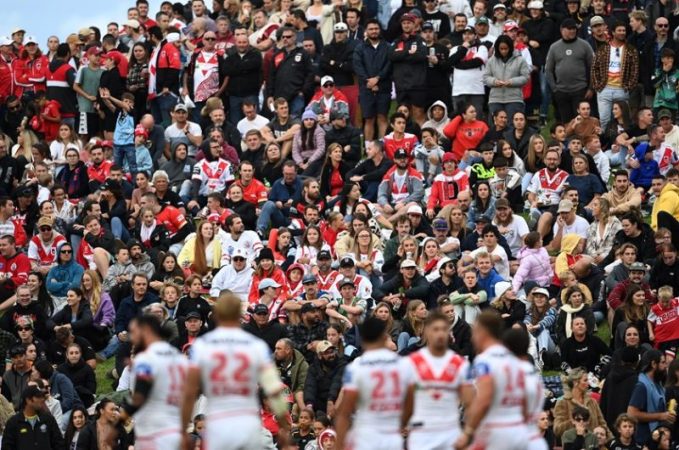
342,168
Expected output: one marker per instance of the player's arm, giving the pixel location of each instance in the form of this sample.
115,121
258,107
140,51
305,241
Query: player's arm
134,402
272,385
191,391
478,410
343,418
408,407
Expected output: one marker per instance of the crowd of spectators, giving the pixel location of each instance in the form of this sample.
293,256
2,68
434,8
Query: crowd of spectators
329,161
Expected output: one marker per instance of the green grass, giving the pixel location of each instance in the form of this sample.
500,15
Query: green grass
103,382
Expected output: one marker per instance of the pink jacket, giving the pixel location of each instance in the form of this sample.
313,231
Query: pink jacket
533,265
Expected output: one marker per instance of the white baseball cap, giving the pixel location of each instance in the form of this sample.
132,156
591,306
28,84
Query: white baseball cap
327,79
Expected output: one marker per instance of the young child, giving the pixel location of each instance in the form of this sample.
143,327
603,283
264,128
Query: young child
304,432
144,161
664,317
534,263
666,81
625,426
642,176
568,279
123,134
47,122
428,155
121,271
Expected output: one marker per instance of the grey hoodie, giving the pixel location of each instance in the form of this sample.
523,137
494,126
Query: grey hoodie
437,125
117,270
144,265
178,171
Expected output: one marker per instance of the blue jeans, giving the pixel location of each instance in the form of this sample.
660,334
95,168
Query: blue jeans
161,106
605,100
119,229
122,152
297,106
111,348
236,106
405,340
270,215
616,159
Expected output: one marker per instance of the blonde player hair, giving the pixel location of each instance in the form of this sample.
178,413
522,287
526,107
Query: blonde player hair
228,308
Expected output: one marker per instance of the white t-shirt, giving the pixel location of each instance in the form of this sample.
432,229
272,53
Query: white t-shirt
579,227
470,81
172,133
381,379
515,232
245,125
167,368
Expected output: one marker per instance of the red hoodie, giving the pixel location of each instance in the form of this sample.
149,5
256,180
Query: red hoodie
465,136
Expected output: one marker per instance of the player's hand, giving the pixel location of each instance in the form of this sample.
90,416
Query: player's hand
462,442
187,443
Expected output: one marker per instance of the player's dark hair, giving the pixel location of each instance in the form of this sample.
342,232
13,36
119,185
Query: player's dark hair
153,323
435,316
372,330
516,340
491,321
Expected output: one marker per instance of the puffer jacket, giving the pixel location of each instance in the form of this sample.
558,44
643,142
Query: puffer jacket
534,265
514,69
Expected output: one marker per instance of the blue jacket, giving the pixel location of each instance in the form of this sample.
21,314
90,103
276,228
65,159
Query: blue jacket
128,309
63,277
62,389
643,175
280,192
488,283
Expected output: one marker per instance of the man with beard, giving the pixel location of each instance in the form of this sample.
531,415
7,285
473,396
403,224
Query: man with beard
401,194
292,368
324,379
647,404
157,374
459,25
99,169
438,68
141,261
270,331
311,196
33,426
231,133
282,127
307,334
326,274
445,284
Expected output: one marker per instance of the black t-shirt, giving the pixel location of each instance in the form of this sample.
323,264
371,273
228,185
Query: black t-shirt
171,198
301,441
583,354
56,354
279,129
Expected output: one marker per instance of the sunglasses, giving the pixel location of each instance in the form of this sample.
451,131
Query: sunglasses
409,268
238,258
64,252
579,419
209,39
329,85
24,329
663,25
287,37
45,229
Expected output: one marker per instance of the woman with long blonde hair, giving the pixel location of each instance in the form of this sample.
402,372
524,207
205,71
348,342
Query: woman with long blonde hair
413,324
537,146
194,254
103,311
429,258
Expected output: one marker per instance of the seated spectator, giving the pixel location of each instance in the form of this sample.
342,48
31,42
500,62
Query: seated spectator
193,301
265,268
15,378
309,331
540,319
619,292
534,263
25,306
576,396
406,286
236,277
14,267
621,272
579,436
117,281
511,309
76,315
42,247
96,247
61,386
56,348
324,378
634,311
188,331
260,325
413,325
202,252
583,349
81,375
574,306
468,297
107,418
292,367
662,318
65,274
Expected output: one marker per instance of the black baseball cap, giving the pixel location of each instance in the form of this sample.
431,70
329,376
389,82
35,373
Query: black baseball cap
400,153
193,315
260,308
308,307
323,254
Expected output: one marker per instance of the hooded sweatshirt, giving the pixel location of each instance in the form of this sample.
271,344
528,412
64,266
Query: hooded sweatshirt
534,265
514,69
438,125
178,171
566,258
64,276
643,175
668,201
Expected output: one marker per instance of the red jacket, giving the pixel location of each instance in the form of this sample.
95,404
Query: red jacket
445,188
6,79
465,136
30,75
99,173
17,267
277,275
408,143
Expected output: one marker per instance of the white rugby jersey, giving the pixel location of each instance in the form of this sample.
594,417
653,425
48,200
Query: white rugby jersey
535,397
509,380
381,379
438,381
167,367
231,362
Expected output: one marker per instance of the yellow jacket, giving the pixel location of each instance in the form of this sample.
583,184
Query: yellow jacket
668,201
186,255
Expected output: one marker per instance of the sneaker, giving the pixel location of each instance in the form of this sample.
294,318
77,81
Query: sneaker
100,357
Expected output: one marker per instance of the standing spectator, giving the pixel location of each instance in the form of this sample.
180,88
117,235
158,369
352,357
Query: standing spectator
642,39
86,85
373,69
337,62
205,75
409,58
243,69
60,81
166,64
291,74
438,68
541,34
647,404
33,426
615,72
469,60
506,74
